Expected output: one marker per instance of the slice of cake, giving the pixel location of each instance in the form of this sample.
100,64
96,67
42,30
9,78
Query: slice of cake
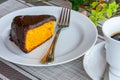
30,31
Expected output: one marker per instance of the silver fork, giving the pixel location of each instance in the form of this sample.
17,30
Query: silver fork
63,22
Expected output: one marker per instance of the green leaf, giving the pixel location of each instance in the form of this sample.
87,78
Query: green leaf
94,12
109,13
98,8
104,5
102,18
75,8
100,13
94,4
94,19
113,6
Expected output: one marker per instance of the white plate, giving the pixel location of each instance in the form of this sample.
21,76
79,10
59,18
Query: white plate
95,61
72,44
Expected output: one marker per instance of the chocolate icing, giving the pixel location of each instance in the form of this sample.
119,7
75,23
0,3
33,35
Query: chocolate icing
21,24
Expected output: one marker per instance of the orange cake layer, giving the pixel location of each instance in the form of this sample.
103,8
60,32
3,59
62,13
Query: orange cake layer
28,32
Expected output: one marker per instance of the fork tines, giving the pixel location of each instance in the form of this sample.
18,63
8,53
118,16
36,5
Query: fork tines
64,18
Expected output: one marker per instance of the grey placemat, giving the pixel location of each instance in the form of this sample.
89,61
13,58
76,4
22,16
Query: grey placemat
61,3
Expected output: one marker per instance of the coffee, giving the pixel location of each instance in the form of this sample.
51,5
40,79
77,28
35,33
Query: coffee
116,36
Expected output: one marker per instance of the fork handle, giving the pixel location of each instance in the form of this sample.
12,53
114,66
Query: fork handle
49,57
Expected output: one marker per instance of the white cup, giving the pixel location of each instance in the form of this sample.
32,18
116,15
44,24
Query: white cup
109,28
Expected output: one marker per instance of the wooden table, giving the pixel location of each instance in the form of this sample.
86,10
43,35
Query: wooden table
70,71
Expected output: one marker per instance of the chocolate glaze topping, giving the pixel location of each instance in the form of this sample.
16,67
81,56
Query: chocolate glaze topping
21,24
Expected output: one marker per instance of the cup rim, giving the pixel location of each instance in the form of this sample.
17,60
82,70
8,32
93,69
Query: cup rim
104,32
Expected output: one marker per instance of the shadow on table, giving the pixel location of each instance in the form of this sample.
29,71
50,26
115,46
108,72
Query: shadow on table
1,1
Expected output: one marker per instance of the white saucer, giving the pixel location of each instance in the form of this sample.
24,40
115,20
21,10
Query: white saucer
95,62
